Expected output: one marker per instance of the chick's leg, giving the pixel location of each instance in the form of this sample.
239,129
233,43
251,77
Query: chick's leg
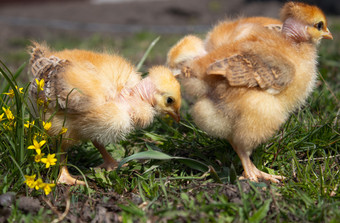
65,177
250,170
109,163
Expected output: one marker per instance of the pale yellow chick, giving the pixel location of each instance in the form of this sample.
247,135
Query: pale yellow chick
99,97
254,81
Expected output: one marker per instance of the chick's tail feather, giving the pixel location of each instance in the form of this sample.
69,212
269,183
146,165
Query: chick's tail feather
37,51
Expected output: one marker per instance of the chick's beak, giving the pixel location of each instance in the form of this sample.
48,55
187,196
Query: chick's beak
327,35
175,115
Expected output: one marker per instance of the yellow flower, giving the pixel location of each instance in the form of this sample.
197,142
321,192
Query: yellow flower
28,124
40,84
48,101
63,130
40,136
47,188
50,160
47,125
40,102
37,158
8,113
39,184
1,117
8,126
37,146
10,93
29,180
20,89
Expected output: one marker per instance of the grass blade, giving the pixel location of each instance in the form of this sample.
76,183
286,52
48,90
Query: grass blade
153,154
147,52
261,213
145,155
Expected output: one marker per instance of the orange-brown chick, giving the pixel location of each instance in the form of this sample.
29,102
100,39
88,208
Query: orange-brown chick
99,97
232,30
191,47
255,80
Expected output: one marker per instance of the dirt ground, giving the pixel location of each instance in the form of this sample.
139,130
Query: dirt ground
104,206
52,20
35,19
142,12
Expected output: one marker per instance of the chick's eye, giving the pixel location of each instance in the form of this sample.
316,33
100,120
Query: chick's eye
169,100
319,25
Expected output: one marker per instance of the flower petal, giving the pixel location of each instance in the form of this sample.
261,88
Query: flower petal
31,147
38,151
42,143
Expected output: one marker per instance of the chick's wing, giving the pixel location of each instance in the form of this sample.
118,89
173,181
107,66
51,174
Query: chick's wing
55,90
251,70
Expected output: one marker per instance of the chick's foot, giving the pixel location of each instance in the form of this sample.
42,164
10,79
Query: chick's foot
254,174
66,178
108,165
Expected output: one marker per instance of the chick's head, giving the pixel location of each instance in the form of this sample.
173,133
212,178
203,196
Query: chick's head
168,94
311,16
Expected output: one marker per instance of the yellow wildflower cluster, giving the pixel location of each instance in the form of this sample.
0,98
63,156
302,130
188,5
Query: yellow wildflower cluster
11,94
10,117
42,101
49,161
7,111
40,157
39,143
39,138
38,184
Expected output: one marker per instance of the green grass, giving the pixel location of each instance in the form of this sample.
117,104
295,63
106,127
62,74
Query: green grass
201,185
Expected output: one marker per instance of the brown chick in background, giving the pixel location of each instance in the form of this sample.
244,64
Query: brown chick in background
254,81
99,97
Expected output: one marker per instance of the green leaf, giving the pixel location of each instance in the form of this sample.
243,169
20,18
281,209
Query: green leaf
145,155
269,170
185,197
193,164
132,209
261,213
153,154
155,137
